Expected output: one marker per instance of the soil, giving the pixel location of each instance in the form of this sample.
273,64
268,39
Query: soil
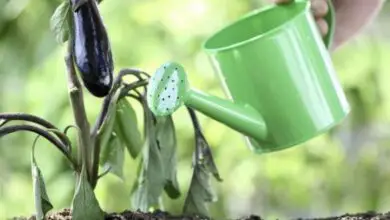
160,215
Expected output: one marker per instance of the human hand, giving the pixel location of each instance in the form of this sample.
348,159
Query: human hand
319,9
351,16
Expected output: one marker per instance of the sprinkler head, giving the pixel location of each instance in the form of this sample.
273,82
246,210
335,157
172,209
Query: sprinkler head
167,89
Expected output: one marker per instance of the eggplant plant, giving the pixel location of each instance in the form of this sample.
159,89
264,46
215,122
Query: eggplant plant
89,65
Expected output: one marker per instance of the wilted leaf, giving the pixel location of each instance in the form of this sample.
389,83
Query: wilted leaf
200,193
59,22
139,192
41,199
113,156
126,127
155,176
166,137
151,176
208,159
85,204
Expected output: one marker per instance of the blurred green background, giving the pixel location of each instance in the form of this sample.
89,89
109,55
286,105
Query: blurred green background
346,170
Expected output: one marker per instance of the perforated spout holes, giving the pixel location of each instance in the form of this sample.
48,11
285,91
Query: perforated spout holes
166,89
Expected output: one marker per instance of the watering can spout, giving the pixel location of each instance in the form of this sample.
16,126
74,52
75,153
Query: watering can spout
168,89
240,117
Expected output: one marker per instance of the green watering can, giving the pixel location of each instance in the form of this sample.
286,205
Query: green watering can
276,72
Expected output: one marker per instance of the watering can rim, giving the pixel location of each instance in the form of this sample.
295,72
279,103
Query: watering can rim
330,17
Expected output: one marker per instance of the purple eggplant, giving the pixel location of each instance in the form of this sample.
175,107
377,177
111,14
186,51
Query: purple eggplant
92,51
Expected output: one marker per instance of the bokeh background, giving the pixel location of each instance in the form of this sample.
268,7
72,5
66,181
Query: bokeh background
345,170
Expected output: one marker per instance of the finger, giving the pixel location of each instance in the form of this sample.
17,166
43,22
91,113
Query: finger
281,1
319,8
323,27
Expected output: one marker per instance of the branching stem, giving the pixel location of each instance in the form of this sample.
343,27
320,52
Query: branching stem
107,100
103,114
46,134
126,89
32,118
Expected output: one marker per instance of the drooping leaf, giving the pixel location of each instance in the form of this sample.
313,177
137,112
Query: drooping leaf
139,191
207,158
59,22
126,127
85,204
155,176
166,137
41,199
151,179
200,193
113,156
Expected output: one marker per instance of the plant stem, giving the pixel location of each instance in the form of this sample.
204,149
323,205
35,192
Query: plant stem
112,99
132,86
99,122
77,102
116,84
80,116
198,134
31,118
63,148
103,115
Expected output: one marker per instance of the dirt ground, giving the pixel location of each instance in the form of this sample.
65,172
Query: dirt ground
159,215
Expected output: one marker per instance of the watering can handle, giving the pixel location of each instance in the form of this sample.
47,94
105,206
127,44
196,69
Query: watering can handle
330,18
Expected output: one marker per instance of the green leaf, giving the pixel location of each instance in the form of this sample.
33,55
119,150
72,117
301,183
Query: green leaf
85,204
151,179
59,22
105,132
126,127
166,137
113,156
200,193
41,199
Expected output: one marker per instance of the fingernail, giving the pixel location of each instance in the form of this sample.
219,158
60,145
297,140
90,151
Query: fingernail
319,8
322,26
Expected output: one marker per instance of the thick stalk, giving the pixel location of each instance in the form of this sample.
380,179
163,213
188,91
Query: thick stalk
77,101
80,116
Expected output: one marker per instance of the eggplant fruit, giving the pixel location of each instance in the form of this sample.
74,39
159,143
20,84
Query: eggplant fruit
92,50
